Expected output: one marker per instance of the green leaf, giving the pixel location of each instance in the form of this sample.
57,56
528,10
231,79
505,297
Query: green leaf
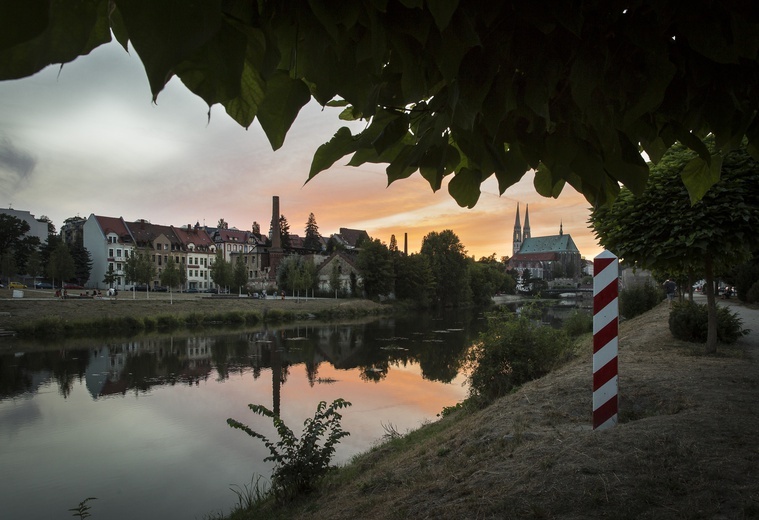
244,108
698,176
395,130
70,29
442,11
214,72
168,32
341,144
465,187
22,21
283,100
545,183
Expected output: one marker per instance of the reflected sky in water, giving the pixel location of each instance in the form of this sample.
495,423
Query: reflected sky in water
141,424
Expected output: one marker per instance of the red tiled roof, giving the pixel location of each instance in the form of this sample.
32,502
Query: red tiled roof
112,225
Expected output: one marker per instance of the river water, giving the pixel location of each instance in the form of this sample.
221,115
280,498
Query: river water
140,424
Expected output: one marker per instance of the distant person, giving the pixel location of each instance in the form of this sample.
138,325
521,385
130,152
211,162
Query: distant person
670,288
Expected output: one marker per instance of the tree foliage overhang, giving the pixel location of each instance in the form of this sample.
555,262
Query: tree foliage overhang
663,229
573,89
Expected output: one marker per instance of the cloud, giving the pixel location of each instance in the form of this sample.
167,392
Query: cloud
16,165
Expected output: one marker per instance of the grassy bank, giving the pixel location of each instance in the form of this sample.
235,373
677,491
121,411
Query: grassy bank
45,317
685,446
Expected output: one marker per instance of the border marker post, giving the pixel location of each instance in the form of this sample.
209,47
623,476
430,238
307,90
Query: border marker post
605,340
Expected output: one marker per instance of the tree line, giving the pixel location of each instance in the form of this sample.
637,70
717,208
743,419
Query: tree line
26,255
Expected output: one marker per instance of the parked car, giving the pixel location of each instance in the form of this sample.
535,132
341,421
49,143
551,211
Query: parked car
74,286
142,288
160,288
192,290
43,285
16,285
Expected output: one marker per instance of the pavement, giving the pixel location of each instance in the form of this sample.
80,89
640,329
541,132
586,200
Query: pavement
748,316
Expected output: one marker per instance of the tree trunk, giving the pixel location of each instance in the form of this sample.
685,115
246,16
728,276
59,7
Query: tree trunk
711,306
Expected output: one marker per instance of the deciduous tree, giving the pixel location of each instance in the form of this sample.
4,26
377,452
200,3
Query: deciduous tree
448,262
664,228
240,274
61,265
376,266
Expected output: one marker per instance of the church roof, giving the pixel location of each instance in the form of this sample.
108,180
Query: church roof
549,244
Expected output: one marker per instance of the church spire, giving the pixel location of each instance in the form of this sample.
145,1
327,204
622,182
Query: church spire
517,238
526,232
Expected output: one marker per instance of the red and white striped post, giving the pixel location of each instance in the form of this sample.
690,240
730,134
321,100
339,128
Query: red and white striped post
605,339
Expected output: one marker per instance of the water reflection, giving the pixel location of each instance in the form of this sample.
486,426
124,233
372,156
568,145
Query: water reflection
141,424
116,368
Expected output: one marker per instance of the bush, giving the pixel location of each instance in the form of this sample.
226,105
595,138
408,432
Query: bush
689,322
746,277
167,322
578,323
513,350
639,299
300,463
753,294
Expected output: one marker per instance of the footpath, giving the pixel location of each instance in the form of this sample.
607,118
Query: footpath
749,318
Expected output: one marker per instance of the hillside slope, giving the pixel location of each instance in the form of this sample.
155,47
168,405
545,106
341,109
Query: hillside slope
686,446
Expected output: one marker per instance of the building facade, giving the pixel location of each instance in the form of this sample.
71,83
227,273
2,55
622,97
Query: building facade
548,257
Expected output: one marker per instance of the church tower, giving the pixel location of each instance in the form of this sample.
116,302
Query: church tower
517,234
526,232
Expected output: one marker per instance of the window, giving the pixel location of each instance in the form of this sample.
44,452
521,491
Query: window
166,247
118,266
118,253
126,253
110,253
158,246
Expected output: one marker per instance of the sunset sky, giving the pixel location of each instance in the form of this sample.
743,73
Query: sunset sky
87,139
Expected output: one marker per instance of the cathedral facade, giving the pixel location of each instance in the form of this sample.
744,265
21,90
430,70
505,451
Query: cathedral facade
548,257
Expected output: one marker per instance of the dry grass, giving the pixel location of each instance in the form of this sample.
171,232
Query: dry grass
686,446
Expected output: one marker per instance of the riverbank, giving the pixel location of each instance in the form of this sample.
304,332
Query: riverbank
685,446
38,309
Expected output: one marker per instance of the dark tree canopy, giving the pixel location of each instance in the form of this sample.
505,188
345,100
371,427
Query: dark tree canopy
573,89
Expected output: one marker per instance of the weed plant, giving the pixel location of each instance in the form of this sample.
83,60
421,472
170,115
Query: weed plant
299,464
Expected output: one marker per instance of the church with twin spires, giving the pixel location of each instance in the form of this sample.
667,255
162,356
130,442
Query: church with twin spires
548,257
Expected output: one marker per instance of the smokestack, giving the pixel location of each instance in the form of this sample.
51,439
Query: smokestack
276,241
405,244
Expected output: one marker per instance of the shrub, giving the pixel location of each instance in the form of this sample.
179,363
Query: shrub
167,322
300,463
274,315
638,299
689,322
746,277
753,293
513,350
578,323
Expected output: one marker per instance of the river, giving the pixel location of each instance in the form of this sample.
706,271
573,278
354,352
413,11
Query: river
140,424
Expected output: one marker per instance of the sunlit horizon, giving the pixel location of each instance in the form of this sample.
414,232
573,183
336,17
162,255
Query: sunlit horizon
87,140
